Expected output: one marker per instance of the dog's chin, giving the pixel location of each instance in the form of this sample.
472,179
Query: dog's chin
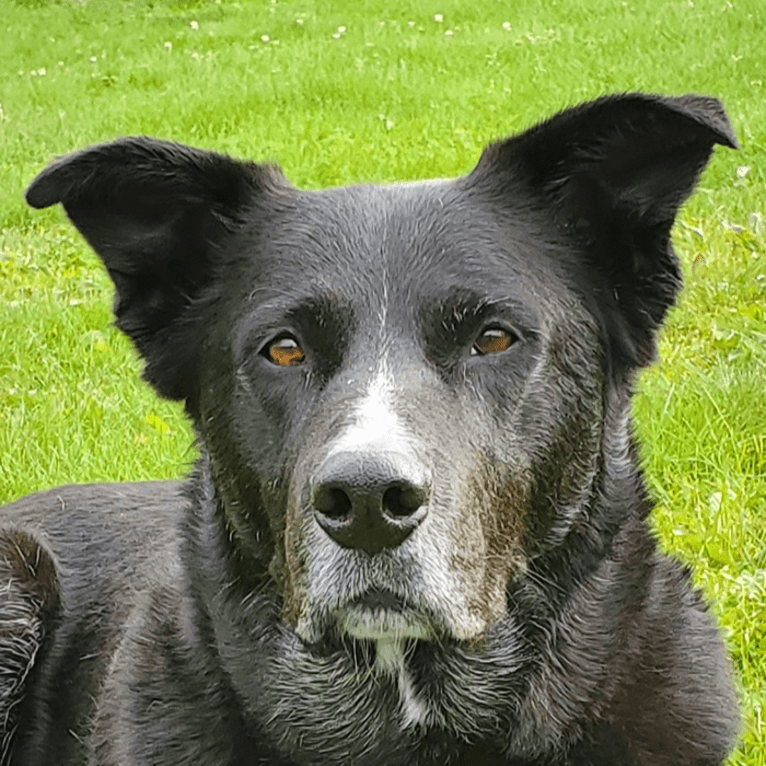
376,619
392,630
363,622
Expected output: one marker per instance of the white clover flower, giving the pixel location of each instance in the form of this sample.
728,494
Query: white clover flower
265,38
194,25
438,18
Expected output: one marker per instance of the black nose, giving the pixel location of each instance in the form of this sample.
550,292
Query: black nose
370,500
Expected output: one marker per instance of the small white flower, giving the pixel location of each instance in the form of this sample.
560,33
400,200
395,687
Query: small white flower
507,26
449,33
194,25
438,18
168,46
299,22
93,59
336,36
342,30
265,38
410,23
41,71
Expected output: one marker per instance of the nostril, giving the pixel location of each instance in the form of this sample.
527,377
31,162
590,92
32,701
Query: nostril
332,502
369,501
404,500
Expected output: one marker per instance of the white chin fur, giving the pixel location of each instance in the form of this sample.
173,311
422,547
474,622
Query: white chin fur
391,631
382,625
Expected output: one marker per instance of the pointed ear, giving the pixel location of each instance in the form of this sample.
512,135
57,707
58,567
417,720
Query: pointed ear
157,214
614,173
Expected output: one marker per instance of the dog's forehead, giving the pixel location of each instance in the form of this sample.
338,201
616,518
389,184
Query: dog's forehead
404,243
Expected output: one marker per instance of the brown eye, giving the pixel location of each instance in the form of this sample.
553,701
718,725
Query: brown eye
492,341
284,351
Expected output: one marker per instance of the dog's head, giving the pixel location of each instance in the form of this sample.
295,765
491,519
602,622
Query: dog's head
403,394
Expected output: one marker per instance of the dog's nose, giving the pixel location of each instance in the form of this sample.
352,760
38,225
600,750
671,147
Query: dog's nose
370,500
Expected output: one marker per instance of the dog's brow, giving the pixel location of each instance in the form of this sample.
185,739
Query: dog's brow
465,305
287,309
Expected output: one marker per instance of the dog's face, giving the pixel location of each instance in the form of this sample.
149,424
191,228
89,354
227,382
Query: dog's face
382,371
402,393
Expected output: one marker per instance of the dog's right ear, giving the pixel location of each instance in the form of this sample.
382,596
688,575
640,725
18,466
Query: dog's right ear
156,213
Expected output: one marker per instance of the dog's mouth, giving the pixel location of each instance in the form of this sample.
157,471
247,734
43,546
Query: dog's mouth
380,615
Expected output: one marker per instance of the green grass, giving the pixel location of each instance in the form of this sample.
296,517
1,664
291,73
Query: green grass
391,96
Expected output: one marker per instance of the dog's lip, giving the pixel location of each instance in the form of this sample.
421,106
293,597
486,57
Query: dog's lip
380,615
379,598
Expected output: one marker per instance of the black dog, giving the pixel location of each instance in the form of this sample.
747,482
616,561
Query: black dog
417,532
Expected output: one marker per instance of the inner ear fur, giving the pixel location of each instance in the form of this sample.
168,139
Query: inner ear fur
613,173
156,213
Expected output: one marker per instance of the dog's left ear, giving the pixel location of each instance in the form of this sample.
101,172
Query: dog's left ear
614,173
157,214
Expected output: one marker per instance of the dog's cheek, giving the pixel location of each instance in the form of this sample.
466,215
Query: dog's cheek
561,423
251,435
294,562
487,538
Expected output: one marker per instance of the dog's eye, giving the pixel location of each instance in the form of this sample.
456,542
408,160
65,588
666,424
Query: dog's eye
284,351
493,341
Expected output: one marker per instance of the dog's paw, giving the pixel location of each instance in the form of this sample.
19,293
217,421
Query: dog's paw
29,593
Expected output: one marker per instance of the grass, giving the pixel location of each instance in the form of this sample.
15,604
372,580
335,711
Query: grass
380,91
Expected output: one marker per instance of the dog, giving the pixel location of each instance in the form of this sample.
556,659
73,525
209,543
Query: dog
417,532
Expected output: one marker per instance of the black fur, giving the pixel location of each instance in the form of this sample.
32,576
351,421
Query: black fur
423,542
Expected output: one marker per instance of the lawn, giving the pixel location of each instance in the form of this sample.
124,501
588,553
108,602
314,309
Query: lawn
384,91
